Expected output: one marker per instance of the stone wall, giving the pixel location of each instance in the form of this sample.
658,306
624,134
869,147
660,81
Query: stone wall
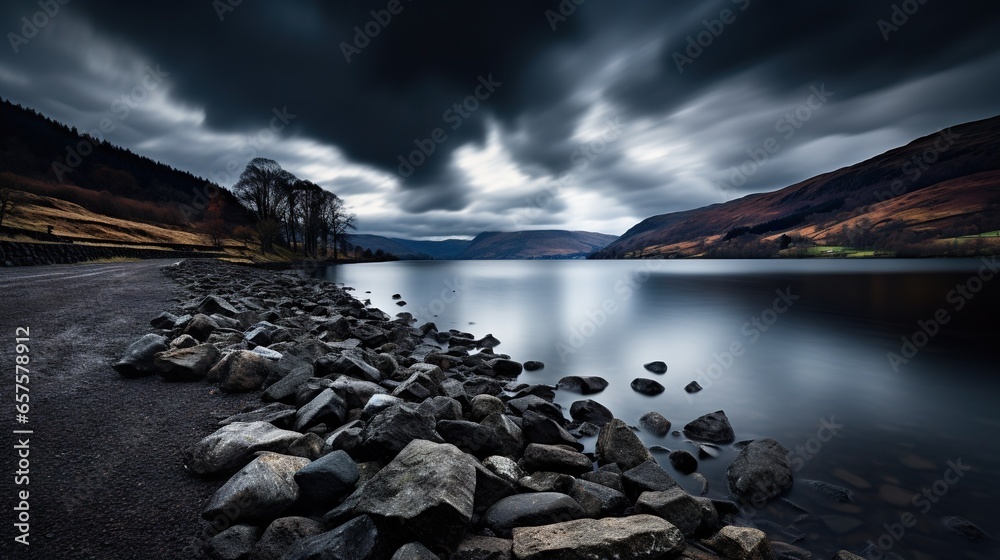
29,254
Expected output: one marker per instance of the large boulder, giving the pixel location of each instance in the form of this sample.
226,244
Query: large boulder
260,492
502,367
617,443
742,543
140,356
713,427
470,437
598,500
327,478
590,411
201,327
647,477
528,510
394,428
281,534
241,371
285,388
187,364
675,505
760,472
427,490
358,539
327,408
231,447
638,537
539,428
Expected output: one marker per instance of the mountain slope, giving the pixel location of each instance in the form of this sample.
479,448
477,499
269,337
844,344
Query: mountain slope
446,249
392,246
544,244
941,186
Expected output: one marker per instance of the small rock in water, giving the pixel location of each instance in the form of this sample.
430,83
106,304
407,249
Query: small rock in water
532,365
656,423
965,528
702,483
646,386
397,296
692,387
584,385
706,450
712,427
401,303
831,492
683,461
656,367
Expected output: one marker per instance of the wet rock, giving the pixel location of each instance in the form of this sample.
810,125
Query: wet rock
231,447
504,467
598,500
743,543
200,327
760,472
235,543
674,505
358,539
785,551
692,387
532,365
618,444
327,478
534,403
539,457
846,555
530,510
965,528
428,490
512,440
610,479
414,551
542,429
638,537
139,358
656,367
241,371
277,414
590,411
187,364
327,407
830,492
393,429
646,386
702,483
483,548
260,492
547,482
215,304
470,437
505,368
647,477
281,534
655,423
584,385
484,405
713,427
708,450
683,461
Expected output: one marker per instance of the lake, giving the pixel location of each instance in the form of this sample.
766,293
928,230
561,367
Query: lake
798,350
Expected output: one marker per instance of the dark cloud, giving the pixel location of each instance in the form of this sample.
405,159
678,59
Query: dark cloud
554,90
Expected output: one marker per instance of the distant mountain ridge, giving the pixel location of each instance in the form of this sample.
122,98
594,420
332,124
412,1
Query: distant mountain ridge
910,200
543,244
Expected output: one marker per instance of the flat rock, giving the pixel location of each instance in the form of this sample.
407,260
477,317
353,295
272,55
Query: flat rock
538,428
394,429
646,477
646,386
231,447
965,528
637,537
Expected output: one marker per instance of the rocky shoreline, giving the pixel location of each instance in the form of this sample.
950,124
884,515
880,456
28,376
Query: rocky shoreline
380,439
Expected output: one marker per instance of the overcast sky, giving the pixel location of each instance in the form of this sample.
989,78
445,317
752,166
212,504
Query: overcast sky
639,107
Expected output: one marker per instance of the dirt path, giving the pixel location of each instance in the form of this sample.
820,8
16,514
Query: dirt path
106,479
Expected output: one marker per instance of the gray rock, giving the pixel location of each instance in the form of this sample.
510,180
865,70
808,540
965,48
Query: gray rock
590,411
713,427
278,414
610,479
637,537
538,428
742,543
647,477
785,551
393,429
358,539
327,407
505,368
356,392
231,447
241,371
470,437
201,327
281,534
675,505
139,358
598,500
215,304
414,551
965,528
183,341
583,385
378,403
268,353
511,437
310,446
286,387
441,408
532,365
655,423
260,492
692,387
428,489
187,364
536,404
484,405
539,457
235,543
475,547
617,444
530,510
504,467
646,386
327,478
760,472
831,492
164,321
547,482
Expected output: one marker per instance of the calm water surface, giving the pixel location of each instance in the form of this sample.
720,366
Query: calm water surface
812,339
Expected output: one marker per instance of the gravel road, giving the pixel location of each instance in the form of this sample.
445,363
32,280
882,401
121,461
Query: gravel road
106,479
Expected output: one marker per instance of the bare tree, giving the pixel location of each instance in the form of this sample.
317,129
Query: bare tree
313,205
339,220
260,189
